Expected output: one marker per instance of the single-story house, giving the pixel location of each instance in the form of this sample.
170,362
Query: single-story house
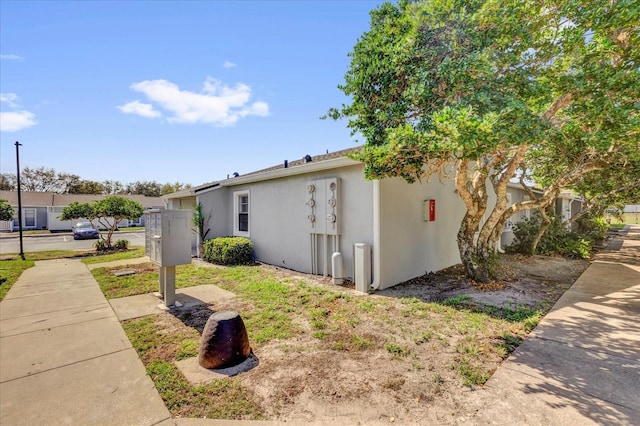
299,213
40,210
631,214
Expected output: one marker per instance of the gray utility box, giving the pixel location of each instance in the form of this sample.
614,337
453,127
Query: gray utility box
168,236
168,243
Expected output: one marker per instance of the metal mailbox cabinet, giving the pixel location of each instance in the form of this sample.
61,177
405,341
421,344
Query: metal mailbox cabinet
168,243
168,236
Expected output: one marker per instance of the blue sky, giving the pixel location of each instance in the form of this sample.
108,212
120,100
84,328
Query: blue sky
173,91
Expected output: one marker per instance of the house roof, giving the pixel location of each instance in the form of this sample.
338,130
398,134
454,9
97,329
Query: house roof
303,165
52,199
303,161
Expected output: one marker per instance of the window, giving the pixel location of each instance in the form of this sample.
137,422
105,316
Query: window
241,213
29,218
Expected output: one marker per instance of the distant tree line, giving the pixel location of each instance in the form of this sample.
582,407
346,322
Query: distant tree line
42,179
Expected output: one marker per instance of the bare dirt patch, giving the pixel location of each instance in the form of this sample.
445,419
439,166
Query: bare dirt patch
531,281
405,355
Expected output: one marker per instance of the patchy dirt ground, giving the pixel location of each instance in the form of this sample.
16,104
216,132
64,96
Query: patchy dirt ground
533,281
391,360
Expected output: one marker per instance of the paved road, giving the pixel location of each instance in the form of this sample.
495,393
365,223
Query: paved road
61,242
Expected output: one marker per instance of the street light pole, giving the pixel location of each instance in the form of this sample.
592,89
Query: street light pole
18,145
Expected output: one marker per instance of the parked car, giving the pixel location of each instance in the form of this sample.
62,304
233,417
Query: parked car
83,230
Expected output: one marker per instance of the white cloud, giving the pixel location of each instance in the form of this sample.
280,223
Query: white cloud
228,64
137,107
12,121
11,57
9,99
216,104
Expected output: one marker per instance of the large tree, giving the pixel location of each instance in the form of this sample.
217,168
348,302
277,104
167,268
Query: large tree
6,211
43,179
83,186
482,90
105,214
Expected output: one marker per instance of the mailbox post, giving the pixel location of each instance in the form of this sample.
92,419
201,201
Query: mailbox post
168,243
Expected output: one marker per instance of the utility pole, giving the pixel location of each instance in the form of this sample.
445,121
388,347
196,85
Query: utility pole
18,145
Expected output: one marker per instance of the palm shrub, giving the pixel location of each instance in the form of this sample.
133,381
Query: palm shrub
228,250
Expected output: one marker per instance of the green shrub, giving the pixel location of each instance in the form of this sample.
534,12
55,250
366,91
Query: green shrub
593,228
101,245
228,250
557,240
523,234
121,245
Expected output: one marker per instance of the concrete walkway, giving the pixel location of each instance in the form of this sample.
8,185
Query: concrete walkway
581,365
65,359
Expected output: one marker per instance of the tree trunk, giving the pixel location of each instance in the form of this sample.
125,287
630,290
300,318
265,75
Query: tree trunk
543,228
476,258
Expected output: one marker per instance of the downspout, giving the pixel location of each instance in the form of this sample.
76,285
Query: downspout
375,285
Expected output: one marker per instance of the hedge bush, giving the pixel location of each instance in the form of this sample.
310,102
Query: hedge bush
228,250
557,240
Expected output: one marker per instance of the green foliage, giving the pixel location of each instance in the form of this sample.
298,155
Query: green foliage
229,250
6,211
118,208
132,253
10,271
121,245
188,349
557,239
480,90
198,221
86,187
593,228
145,279
107,213
524,232
471,373
397,350
101,245
77,210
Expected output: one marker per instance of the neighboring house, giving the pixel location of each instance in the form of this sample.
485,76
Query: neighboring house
299,213
40,210
631,214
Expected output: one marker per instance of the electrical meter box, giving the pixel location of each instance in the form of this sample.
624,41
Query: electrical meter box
168,237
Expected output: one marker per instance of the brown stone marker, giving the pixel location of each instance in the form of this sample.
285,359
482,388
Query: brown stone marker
224,342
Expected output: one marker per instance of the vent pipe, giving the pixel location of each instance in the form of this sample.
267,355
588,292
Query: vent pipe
307,158
286,164
236,174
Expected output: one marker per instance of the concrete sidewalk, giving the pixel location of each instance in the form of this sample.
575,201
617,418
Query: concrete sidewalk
65,359
581,365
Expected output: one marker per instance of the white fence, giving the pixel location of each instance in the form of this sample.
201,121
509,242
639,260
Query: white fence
6,226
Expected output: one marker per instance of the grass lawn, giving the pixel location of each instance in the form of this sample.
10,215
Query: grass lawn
10,271
145,280
451,339
11,267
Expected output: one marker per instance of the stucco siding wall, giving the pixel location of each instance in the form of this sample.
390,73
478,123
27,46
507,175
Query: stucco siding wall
217,208
409,245
278,223
188,203
517,196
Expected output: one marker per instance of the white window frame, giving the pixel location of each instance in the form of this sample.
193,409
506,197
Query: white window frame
35,217
236,213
